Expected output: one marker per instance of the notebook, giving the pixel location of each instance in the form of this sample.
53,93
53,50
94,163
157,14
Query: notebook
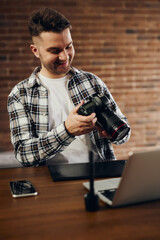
65,172
140,181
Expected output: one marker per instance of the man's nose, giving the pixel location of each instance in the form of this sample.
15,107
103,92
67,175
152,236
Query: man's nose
63,56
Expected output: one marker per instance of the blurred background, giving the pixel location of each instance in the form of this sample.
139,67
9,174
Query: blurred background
118,40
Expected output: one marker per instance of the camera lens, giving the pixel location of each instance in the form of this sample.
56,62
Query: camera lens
113,125
120,132
110,122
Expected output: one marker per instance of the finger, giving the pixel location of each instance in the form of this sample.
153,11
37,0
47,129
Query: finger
102,132
86,129
105,134
99,128
90,125
94,121
75,109
87,119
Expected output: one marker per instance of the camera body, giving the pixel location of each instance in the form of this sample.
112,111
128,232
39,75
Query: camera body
106,118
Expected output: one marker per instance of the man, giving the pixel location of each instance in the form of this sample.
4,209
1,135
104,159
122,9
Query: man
43,109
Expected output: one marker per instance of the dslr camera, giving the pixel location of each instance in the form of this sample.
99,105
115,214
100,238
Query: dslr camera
106,118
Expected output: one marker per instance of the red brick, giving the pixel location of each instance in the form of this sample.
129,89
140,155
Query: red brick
117,40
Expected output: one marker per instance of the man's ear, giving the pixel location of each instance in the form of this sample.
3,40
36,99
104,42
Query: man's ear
34,50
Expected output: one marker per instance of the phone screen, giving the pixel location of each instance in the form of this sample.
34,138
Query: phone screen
22,188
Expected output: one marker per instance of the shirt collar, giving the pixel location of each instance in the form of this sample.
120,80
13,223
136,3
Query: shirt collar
74,71
34,79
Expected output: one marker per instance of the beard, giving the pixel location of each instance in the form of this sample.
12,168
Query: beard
58,67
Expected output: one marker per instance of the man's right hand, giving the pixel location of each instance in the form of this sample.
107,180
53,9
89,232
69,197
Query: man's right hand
77,124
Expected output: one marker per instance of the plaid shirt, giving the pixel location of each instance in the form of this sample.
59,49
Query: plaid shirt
29,120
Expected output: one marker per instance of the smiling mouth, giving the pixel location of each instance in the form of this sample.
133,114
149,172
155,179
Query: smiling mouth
63,64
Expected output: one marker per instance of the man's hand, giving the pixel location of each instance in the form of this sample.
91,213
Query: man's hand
102,132
77,124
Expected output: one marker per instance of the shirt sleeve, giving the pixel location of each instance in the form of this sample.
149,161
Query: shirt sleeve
31,148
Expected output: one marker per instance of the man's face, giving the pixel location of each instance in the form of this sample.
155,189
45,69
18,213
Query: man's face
55,51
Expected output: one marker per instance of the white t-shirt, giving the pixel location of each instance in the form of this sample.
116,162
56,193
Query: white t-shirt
59,105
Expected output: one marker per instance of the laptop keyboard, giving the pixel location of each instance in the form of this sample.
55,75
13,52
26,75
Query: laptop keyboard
109,193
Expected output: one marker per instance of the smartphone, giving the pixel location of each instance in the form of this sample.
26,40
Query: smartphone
22,188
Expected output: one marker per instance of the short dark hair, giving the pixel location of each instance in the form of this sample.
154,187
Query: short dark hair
47,20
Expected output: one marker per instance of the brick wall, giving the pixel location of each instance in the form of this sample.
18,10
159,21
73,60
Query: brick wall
118,40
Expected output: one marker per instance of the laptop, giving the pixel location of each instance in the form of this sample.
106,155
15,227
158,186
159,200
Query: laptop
140,181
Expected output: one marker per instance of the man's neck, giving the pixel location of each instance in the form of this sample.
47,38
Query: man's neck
51,75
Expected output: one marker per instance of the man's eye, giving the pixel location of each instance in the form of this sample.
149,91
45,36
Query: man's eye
69,46
55,51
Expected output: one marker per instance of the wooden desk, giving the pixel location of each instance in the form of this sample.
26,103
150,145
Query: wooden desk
58,212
